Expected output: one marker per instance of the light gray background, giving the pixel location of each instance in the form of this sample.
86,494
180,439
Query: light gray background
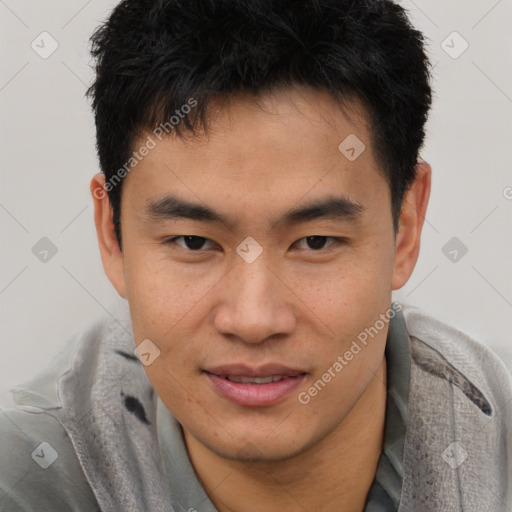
48,157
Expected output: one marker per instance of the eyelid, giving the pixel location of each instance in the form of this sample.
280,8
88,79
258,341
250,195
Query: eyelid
172,240
337,240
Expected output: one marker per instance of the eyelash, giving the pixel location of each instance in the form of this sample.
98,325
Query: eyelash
338,240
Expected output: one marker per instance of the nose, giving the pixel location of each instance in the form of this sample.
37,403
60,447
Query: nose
255,304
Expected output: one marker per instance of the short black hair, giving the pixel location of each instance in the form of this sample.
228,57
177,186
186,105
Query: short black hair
153,57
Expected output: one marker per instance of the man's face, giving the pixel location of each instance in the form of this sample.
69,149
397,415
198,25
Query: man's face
214,305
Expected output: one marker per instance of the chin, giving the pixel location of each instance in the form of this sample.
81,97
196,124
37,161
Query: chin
257,447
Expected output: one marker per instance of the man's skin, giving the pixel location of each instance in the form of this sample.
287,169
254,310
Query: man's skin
293,305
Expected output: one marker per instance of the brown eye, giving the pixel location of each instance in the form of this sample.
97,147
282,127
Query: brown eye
317,243
190,242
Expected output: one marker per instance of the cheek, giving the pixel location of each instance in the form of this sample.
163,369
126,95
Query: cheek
162,293
350,301
351,290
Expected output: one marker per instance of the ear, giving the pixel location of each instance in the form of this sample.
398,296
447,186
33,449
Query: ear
111,255
412,217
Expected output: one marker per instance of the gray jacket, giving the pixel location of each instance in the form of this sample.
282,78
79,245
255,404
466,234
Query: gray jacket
75,441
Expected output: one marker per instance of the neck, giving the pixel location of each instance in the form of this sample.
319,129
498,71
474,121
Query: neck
334,475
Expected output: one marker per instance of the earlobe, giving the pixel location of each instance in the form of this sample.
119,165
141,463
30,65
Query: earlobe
111,255
412,217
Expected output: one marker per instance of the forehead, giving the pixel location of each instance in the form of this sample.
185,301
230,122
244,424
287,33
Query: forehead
275,149
283,120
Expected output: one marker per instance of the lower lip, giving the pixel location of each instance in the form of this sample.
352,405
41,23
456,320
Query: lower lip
255,395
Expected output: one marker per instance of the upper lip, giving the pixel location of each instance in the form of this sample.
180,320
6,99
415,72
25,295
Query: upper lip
266,370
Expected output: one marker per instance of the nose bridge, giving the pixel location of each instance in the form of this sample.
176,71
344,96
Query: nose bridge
253,283
253,308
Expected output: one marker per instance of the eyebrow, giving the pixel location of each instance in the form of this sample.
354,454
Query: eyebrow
333,207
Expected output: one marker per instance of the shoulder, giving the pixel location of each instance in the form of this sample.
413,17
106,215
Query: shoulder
39,469
65,448
451,354
458,446
39,465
